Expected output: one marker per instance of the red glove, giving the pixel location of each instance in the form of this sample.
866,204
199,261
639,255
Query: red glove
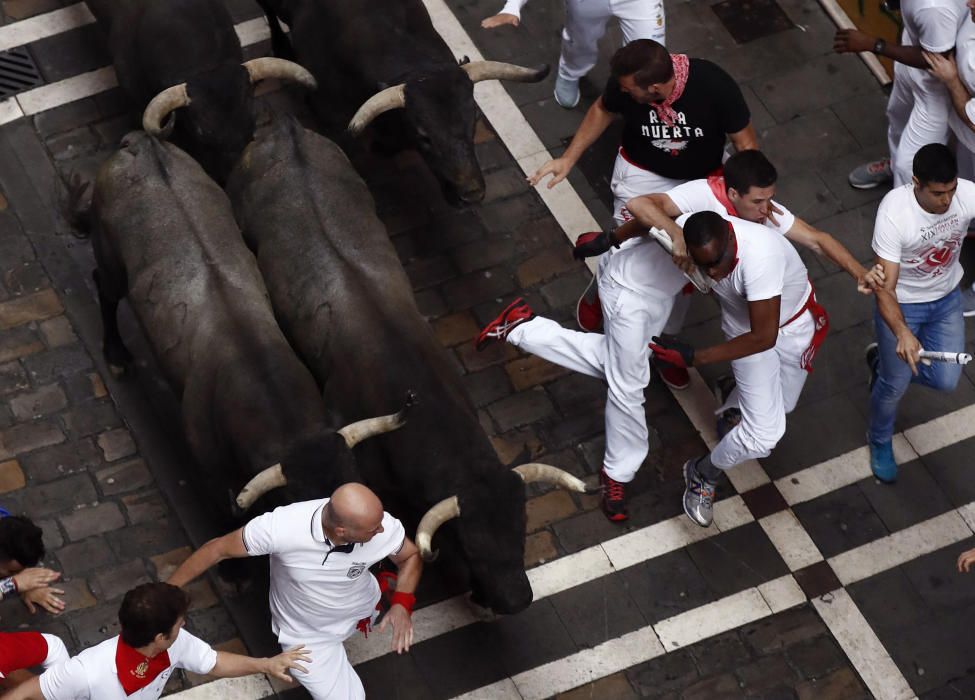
672,351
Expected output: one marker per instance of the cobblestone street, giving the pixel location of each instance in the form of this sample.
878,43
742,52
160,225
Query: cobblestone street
816,581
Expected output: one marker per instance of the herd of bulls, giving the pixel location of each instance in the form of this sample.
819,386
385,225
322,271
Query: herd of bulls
268,288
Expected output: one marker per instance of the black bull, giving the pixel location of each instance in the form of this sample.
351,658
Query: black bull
164,236
185,54
383,55
343,299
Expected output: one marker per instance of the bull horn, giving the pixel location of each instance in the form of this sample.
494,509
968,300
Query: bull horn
268,480
496,70
533,471
447,509
391,98
354,433
167,101
269,67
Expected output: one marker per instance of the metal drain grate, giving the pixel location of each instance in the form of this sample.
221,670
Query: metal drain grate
748,20
17,72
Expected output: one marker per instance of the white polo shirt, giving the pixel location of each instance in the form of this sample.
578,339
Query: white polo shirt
316,595
697,195
767,266
94,674
925,245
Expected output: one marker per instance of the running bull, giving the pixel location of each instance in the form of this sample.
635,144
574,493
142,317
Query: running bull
343,299
357,48
185,55
164,236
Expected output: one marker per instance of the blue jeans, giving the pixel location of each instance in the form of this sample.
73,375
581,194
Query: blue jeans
938,325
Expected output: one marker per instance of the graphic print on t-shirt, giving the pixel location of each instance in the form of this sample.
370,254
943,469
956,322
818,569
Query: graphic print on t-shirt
672,139
937,259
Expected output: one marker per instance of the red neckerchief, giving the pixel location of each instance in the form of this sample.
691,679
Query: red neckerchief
665,109
720,191
136,671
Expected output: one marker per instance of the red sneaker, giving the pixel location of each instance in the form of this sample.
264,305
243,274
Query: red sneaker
589,312
677,378
516,313
614,497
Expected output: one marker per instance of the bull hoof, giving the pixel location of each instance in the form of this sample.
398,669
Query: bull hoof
117,371
481,613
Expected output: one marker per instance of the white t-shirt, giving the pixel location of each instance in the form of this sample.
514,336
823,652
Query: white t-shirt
965,58
314,597
697,195
513,7
925,245
932,24
767,266
93,675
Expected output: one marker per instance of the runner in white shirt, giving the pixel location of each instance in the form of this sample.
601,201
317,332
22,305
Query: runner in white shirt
321,587
23,650
917,110
958,75
773,327
745,190
136,664
585,23
917,238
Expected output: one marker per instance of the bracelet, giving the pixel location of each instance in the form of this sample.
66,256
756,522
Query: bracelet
7,586
879,45
407,600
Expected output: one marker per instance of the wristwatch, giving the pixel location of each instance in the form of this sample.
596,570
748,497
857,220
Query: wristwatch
879,45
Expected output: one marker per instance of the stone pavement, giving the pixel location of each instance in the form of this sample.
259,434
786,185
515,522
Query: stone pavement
102,465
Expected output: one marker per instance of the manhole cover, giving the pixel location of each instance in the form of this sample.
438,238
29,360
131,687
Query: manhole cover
17,72
747,20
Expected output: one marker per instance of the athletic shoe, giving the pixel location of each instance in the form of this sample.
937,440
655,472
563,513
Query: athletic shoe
566,92
677,378
698,495
870,175
882,462
614,497
589,311
871,356
516,313
968,303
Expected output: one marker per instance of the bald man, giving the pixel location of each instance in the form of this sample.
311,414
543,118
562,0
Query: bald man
321,588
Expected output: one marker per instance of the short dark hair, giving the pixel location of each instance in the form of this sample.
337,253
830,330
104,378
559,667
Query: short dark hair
647,61
935,163
747,169
21,540
703,227
151,609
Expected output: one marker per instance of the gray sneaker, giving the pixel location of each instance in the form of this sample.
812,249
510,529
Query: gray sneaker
870,175
698,495
566,92
968,302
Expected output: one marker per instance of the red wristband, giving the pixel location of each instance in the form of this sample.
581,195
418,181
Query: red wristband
407,600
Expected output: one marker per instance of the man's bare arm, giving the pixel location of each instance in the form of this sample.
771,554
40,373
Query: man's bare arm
764,318
827,246
30,690
744,140
908,346
597,119
230,546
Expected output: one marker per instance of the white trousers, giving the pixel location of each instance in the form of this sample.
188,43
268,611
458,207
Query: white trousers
330,675
768,387
619,356
917,114
585,24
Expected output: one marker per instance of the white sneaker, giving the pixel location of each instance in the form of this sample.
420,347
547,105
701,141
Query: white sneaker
566,92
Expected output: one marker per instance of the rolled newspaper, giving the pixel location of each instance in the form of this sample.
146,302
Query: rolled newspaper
697,278
955,358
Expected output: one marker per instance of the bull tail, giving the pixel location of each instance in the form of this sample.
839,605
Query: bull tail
74,201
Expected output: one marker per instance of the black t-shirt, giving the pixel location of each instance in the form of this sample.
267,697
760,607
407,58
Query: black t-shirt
711,107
